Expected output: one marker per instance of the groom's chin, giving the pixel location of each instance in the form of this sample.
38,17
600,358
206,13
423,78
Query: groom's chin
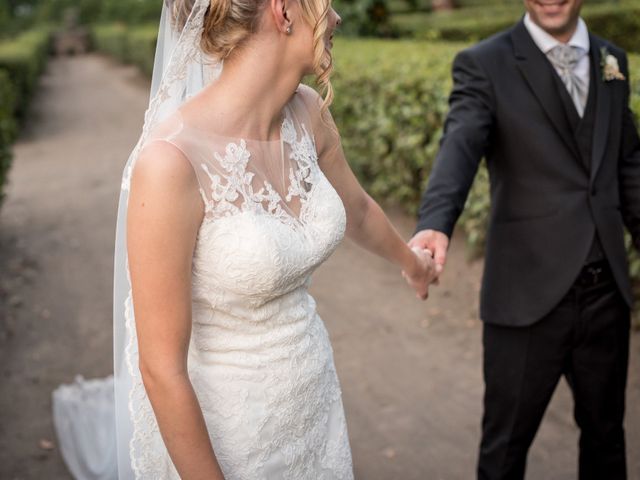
556,17
554,25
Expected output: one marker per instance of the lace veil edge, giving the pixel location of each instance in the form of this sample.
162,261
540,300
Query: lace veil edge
180,71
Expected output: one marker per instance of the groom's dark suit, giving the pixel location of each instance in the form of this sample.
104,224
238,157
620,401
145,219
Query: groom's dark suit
556,292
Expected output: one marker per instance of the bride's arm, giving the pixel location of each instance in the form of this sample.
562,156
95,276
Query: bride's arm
164,213
367,223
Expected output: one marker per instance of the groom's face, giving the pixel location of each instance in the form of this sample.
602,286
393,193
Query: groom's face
557,17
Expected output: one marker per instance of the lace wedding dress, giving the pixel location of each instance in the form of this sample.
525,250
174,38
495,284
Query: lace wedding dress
260,359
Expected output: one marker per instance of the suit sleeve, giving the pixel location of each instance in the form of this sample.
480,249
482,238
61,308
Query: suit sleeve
630,166
464,142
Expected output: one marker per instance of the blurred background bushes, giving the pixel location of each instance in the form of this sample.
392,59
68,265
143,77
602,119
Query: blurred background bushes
17,15
7,126
135,45
22,60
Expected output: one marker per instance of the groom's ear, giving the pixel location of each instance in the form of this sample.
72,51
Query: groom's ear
280,13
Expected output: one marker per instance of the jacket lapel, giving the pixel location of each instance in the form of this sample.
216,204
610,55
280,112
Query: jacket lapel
537,72
603,110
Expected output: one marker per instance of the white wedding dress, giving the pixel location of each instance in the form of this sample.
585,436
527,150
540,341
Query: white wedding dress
260,358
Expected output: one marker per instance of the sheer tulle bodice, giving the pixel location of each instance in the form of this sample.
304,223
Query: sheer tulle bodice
260,358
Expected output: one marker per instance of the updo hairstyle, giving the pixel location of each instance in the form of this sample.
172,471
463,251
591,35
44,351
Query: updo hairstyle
229,23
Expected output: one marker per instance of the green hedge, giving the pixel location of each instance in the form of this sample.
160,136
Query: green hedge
617,21
7,127
22,60
391,101
111,39
129,45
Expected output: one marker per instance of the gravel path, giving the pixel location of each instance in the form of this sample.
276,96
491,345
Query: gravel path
411,372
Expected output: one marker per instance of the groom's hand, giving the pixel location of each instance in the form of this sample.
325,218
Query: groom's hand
434,241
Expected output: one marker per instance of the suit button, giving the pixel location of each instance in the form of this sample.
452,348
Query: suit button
594,191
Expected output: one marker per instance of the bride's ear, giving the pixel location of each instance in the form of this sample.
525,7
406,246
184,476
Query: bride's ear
281,15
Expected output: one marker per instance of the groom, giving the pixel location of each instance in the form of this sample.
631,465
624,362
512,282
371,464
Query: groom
546,103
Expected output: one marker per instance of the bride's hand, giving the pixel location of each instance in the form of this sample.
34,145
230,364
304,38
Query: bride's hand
422,273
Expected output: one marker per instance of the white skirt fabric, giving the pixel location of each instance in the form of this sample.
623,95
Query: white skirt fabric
84,421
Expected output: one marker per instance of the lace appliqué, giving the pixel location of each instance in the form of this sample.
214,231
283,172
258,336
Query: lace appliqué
227,189
147,452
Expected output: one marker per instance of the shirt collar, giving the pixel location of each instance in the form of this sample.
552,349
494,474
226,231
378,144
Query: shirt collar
546,42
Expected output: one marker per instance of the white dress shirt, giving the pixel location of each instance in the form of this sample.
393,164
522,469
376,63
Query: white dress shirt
580,39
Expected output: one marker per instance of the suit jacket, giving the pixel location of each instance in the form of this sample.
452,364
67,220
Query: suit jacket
546,205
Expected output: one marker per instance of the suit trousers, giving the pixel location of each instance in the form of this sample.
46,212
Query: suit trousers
585,339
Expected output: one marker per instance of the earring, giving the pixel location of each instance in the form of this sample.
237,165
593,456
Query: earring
289,30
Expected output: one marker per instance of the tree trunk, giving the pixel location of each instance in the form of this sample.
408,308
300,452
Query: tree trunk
438,5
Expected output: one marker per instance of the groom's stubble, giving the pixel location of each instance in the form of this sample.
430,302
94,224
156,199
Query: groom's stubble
559,18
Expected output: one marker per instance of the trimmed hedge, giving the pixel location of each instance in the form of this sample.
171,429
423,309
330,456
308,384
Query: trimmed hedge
7,127
391,127
129,45
111,39
141,47
618,21
22,60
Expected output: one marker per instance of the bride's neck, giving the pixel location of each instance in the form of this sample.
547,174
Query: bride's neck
252,90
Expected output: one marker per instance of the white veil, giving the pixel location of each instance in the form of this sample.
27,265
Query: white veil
94,420
180,71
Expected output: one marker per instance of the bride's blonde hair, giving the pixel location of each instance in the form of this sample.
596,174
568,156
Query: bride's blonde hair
229,23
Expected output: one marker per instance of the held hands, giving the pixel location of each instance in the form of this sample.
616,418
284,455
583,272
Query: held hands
430,248
422,273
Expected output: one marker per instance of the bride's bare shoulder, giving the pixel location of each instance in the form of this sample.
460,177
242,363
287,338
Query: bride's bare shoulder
164,208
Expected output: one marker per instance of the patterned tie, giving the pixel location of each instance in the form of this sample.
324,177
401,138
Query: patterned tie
565,58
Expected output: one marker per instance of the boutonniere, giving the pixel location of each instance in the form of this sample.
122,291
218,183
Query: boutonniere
610,67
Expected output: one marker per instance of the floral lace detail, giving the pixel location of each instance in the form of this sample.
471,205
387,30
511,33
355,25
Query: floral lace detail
147,451
226,189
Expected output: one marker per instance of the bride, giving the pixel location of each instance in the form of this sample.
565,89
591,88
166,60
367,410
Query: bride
236,192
